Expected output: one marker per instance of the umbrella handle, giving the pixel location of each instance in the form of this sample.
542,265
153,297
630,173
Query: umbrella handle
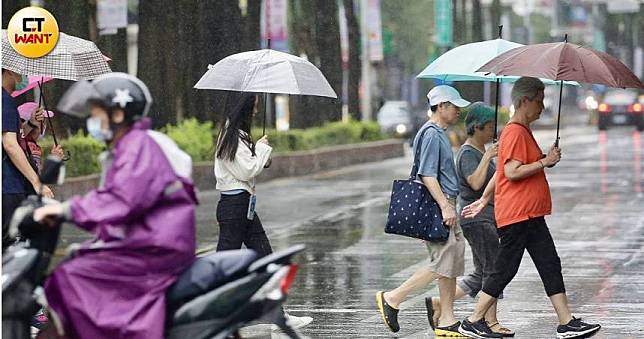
68,156
559,112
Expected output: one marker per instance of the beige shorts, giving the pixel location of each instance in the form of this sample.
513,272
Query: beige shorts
447,258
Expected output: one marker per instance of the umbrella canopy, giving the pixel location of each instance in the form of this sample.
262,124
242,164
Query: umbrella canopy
266,71
72,59
462,63
32,81
563,61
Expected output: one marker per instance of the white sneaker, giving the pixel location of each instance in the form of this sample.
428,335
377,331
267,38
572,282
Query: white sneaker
294,322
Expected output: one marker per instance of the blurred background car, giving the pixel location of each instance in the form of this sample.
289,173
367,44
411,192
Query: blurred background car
621,107
395,118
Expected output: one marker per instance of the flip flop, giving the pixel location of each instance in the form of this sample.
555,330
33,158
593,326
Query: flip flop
504,331
430,312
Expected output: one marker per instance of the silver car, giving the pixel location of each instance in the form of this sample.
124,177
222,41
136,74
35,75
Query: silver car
395,118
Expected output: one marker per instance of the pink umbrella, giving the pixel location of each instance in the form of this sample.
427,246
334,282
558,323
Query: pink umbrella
32,82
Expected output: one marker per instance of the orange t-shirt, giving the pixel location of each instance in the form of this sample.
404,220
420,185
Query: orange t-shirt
516,201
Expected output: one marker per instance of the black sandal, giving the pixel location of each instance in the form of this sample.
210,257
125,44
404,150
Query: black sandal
430,312
505,332
388,313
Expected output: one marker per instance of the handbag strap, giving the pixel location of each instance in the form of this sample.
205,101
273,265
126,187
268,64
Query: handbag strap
414,169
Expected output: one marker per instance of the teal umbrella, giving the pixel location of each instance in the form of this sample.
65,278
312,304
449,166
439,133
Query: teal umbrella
461,64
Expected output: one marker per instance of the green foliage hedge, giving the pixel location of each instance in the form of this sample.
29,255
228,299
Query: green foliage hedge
194,137
83,150
197,139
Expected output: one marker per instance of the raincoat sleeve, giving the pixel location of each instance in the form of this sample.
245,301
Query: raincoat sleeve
246,166
135,182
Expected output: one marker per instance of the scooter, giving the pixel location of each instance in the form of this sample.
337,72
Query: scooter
214,297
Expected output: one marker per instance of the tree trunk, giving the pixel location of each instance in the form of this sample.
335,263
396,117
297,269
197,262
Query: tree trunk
115,47
495,14
354,60
302,41
219,23
9,8
328,42
477,21
463,22
251,25
156,44
72,18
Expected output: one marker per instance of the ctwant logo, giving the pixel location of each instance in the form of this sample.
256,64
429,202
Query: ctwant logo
33,32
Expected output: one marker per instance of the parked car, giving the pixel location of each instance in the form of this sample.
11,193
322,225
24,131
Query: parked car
395,118
621,107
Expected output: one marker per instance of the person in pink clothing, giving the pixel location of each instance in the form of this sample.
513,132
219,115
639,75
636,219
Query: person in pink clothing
33,129
142,217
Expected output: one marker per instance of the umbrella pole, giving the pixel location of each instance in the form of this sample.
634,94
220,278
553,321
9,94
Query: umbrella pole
496,110
42,99
267,97
266,109
559,112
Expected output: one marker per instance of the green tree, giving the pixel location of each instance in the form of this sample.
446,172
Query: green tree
411,23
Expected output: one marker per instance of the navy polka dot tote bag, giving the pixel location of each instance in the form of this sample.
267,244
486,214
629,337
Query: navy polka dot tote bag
412,210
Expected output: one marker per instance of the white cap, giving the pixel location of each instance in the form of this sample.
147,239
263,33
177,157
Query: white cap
444,93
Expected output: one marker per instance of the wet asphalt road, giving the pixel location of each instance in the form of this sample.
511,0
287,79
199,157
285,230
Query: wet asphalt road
597,224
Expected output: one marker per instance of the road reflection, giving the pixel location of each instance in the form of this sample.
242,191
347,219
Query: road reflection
637,163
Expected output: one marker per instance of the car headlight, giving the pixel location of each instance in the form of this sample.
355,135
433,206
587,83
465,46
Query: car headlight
591,103
400,129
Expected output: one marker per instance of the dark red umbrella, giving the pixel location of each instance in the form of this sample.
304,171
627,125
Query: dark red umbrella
565,62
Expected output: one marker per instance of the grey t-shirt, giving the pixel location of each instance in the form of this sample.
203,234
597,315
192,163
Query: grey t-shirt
436,158
467,160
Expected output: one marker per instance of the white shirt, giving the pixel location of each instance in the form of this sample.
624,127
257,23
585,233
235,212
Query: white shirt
241,173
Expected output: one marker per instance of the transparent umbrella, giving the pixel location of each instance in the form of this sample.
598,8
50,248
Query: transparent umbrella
266,71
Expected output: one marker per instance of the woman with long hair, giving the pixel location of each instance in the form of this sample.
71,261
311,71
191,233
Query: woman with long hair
238,161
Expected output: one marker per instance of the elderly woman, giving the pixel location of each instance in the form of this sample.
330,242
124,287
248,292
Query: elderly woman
475,168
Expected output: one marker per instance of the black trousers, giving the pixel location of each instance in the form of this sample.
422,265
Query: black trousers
533,235
235,229
10,201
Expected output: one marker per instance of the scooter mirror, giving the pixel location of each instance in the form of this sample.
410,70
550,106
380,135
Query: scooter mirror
53,172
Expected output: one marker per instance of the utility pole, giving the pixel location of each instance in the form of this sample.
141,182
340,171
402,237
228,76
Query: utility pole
365,99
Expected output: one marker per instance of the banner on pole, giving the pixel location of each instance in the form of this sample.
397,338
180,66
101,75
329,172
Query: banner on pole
374,30
443,23
274,24
111,14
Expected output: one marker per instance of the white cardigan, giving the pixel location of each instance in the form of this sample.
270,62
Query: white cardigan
241,173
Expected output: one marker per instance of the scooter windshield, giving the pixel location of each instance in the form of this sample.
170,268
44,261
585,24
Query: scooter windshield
75,100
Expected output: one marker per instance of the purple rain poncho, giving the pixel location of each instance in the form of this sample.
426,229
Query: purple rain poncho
144,221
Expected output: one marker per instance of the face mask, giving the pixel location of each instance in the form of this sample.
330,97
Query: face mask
23,83
96,131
